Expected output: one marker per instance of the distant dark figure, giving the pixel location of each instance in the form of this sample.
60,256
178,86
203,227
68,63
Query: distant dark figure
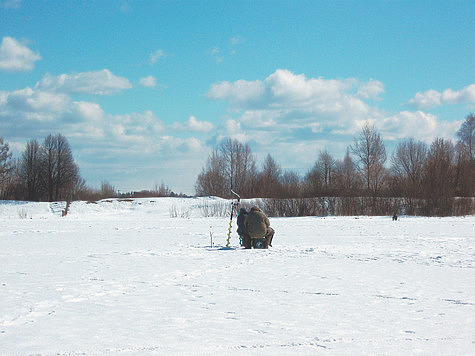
258,226
394,217
245,238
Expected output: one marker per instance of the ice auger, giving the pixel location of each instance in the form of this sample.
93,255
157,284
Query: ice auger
234,206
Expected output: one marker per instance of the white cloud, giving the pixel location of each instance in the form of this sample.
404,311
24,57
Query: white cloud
47,108
261,118
176,145
193,125
34,105
371,90
29,113
426,100
423,126
87,111
432,98
285,97
287,88
101,82
240,94
199,126
32,111
194,144
284,89
232,129
156,56
138,124
149,81
16,57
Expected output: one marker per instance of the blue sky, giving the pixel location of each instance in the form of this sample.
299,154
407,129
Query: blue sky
143,90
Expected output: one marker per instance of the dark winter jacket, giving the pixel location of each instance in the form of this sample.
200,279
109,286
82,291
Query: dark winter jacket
256,223
240,221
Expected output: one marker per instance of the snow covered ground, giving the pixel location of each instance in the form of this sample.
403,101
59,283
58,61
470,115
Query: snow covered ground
128,278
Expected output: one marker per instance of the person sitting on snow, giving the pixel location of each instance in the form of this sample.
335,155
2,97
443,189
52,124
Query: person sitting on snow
245,238
258,226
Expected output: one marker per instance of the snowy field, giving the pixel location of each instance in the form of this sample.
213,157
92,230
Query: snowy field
128,278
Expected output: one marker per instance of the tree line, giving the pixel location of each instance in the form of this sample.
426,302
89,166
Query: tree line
44,172
47,171
428,179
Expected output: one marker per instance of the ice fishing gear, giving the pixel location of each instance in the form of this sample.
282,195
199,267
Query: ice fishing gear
234,206
259,243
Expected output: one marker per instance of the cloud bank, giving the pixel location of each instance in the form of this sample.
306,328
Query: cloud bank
288,115
287,112
298,102
101,82
50,106
433,98
16,57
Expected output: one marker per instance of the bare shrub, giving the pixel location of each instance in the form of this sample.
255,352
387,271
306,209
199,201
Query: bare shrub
291,207
23,213
354,206
216,209
464,206
181,212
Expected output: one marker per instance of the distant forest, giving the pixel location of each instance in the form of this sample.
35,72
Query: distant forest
417,179
421,179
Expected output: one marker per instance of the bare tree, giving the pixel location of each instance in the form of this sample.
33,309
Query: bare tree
465,165
238,164
466,135
290,185
321,178
5,165
67,172
232,165
439,175
59,172
464,172
348,181
30,170
48,165
107,190
269,178
371,156
327,168
80,189
313,182
211,180
408,166
162,190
